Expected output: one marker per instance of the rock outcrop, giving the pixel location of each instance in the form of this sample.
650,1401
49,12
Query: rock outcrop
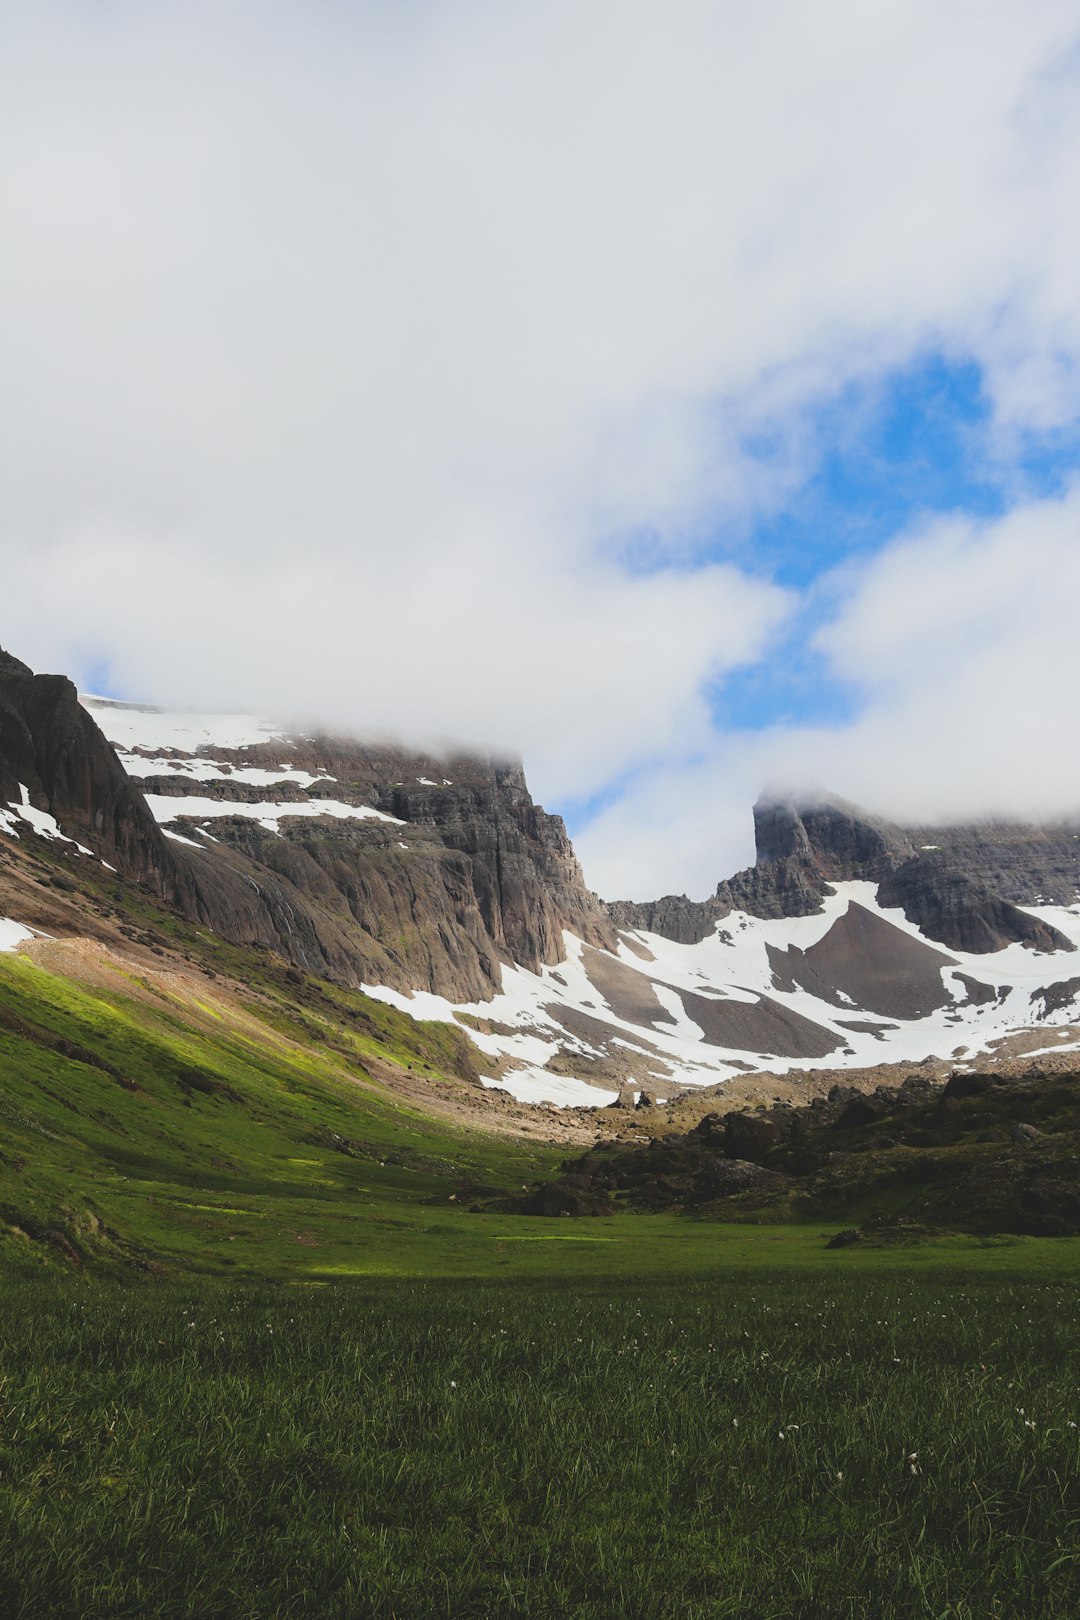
804,848
51,747
475,876
457,874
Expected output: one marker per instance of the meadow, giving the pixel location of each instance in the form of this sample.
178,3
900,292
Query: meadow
832,1440
259,1358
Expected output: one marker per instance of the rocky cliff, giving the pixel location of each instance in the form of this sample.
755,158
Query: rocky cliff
53,756
391,868
944,882
362,862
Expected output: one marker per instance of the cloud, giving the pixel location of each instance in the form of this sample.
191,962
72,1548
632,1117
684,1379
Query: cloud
961,643
343,347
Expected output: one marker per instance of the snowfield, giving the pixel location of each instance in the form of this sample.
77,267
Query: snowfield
732,966
133,725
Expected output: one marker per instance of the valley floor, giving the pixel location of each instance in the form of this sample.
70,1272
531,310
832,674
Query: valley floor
850,1439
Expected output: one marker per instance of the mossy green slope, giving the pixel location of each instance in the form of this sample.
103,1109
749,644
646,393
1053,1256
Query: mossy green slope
155,1126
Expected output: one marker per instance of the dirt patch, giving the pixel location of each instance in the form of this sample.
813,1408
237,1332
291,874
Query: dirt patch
630,995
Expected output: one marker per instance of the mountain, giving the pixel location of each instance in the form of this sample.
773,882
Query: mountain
55,771
947,882
437,887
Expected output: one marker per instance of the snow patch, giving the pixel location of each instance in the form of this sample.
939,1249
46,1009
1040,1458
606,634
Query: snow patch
12,934
165,809
212,770
40,820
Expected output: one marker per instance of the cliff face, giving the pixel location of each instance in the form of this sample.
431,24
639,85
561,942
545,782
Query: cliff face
802,850
467,876
1027,865
398,869
50,747
389,868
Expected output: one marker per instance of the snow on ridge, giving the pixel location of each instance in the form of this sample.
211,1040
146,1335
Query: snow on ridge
136,725
733,964
212,770
166,809
41,821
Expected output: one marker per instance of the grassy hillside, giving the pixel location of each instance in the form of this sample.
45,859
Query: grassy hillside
152,1118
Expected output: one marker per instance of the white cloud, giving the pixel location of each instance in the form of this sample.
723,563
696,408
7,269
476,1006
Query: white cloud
337,342
961,643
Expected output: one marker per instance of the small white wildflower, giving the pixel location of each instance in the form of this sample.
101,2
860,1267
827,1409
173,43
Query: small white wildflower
780,1434
840,1473
453,1383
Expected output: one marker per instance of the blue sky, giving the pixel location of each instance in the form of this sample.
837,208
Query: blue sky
917,445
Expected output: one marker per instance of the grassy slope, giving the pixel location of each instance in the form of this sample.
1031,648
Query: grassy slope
204,1132
209,1146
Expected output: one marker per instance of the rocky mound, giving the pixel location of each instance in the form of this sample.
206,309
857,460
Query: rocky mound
982,1153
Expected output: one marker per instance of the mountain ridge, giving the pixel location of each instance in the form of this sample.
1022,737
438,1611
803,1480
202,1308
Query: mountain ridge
804,848
440,887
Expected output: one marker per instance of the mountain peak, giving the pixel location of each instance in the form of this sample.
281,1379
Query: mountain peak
839,839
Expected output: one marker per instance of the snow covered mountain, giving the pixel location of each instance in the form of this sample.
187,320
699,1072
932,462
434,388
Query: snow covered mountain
853,985
437,885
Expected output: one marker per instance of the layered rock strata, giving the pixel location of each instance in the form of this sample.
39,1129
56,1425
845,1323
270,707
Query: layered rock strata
937,881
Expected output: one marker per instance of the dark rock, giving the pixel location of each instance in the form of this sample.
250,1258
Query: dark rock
1051,1208
723,1178
861,1110
569,1196
1056,997
804,847
53,748
845,1239
962,1084
745,1136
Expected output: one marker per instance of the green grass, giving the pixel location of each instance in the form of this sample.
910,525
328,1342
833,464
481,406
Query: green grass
743,1444
297,1377
137,1127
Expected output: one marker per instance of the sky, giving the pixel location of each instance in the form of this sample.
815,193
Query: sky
684,396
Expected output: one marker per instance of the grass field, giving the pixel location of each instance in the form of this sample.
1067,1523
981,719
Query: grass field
297,1377
754,1443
